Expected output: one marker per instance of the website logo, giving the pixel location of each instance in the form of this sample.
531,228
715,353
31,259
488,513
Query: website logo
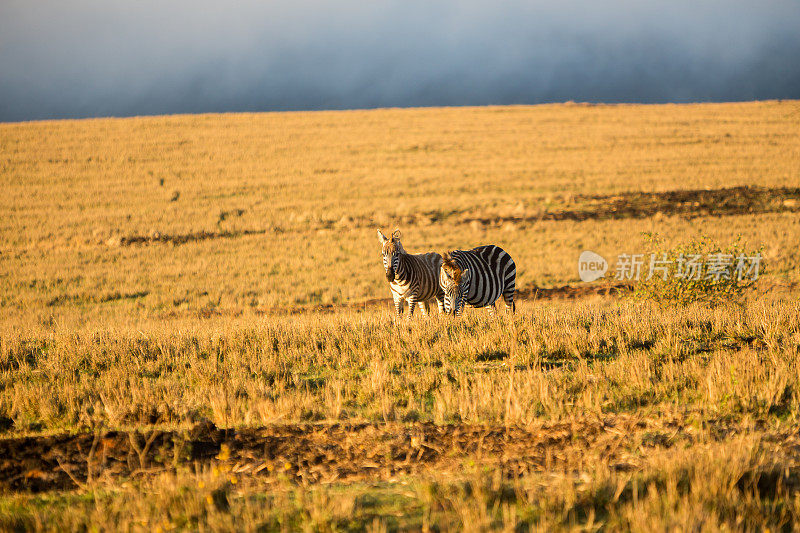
591,266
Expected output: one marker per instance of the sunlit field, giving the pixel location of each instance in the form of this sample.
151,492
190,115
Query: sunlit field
196,331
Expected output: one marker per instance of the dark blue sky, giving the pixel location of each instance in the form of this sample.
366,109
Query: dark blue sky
87,58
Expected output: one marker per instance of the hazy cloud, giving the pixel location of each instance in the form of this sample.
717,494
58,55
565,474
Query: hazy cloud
103,57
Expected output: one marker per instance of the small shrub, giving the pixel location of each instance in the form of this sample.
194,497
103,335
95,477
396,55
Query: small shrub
698,271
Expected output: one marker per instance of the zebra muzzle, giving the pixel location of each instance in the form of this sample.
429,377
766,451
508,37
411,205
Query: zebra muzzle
390,274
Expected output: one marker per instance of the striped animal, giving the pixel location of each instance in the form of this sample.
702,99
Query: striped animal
478,277
413,278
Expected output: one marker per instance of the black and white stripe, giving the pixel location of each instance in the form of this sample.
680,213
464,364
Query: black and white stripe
412,278
478,277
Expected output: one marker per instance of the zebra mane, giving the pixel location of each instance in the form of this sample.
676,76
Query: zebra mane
451,267
392,246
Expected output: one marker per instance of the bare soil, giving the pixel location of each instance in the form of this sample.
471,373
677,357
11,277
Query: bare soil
685,203
316,453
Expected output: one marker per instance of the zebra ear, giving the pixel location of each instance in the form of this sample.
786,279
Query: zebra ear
382,237
396,235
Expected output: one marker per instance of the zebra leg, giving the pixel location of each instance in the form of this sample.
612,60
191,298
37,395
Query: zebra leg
424,308
508,298
398,305
491,309
440,300
508,295
412,303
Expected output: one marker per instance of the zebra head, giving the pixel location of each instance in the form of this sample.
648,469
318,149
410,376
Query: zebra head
390,253
455,284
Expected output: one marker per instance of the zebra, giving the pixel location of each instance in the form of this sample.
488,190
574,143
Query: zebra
478,277
413,278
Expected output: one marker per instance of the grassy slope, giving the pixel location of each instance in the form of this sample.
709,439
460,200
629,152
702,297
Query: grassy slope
98,333
314,185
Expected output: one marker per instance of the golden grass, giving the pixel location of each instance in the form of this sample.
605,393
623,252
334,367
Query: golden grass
147,267
313,186
566,360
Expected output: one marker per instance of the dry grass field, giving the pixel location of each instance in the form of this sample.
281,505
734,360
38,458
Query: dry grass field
195,331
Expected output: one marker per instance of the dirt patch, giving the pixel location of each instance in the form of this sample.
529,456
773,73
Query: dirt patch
571,292
181,238
565,292
688,204
307,453
685,203
310,453
95,298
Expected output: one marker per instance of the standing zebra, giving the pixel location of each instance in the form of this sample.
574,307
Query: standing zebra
478,277
413,278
